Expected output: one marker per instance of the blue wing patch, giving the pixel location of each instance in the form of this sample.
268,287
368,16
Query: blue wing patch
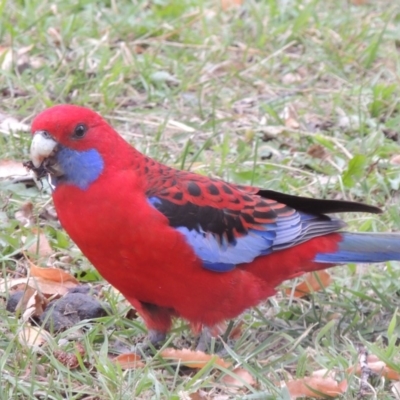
220,255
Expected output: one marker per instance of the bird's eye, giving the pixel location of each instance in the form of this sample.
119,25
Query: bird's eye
80,131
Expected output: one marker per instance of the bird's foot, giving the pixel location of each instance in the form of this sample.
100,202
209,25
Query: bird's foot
204,340
156,337
155,340
209,342
213,339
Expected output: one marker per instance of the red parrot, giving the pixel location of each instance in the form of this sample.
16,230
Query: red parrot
178,244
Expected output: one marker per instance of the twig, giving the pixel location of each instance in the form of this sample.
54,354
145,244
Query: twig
366,372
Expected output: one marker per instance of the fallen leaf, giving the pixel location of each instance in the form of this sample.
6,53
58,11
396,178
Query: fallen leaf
22,303
11,168
241,378
226,4
193,359
139,49
315,387
32,336
51,288
318,151
200,395
377,366
129,361
34,306
311,283
52,274
46,287
41,248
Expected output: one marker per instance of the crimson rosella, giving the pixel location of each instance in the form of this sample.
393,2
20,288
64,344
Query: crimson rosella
179,244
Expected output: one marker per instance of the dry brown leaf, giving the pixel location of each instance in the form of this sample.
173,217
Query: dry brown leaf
311,283
129,361
308,386
318,151
22,304
200,395
46,287
34,306
52,274
139,49
32,336
11,168
242,377
377,366
41,247
226,4
193,359
9,284
50,288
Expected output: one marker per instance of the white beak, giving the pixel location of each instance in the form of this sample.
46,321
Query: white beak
42,146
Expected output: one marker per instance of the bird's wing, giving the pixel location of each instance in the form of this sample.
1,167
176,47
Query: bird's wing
226,224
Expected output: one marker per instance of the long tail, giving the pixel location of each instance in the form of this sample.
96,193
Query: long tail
364,248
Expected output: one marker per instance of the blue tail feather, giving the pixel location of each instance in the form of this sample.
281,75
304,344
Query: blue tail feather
364,248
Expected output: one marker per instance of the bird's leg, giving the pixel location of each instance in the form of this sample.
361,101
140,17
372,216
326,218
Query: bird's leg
204,340
158,321
156,337
155,340
218,331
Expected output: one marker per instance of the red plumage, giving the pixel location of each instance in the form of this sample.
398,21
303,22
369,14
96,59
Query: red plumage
138,247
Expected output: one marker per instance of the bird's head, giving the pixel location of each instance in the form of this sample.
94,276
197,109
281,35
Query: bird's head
71,144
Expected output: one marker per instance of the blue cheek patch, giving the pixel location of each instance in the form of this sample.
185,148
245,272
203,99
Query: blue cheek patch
80,168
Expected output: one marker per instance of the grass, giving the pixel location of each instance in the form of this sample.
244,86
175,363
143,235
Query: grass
295,96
